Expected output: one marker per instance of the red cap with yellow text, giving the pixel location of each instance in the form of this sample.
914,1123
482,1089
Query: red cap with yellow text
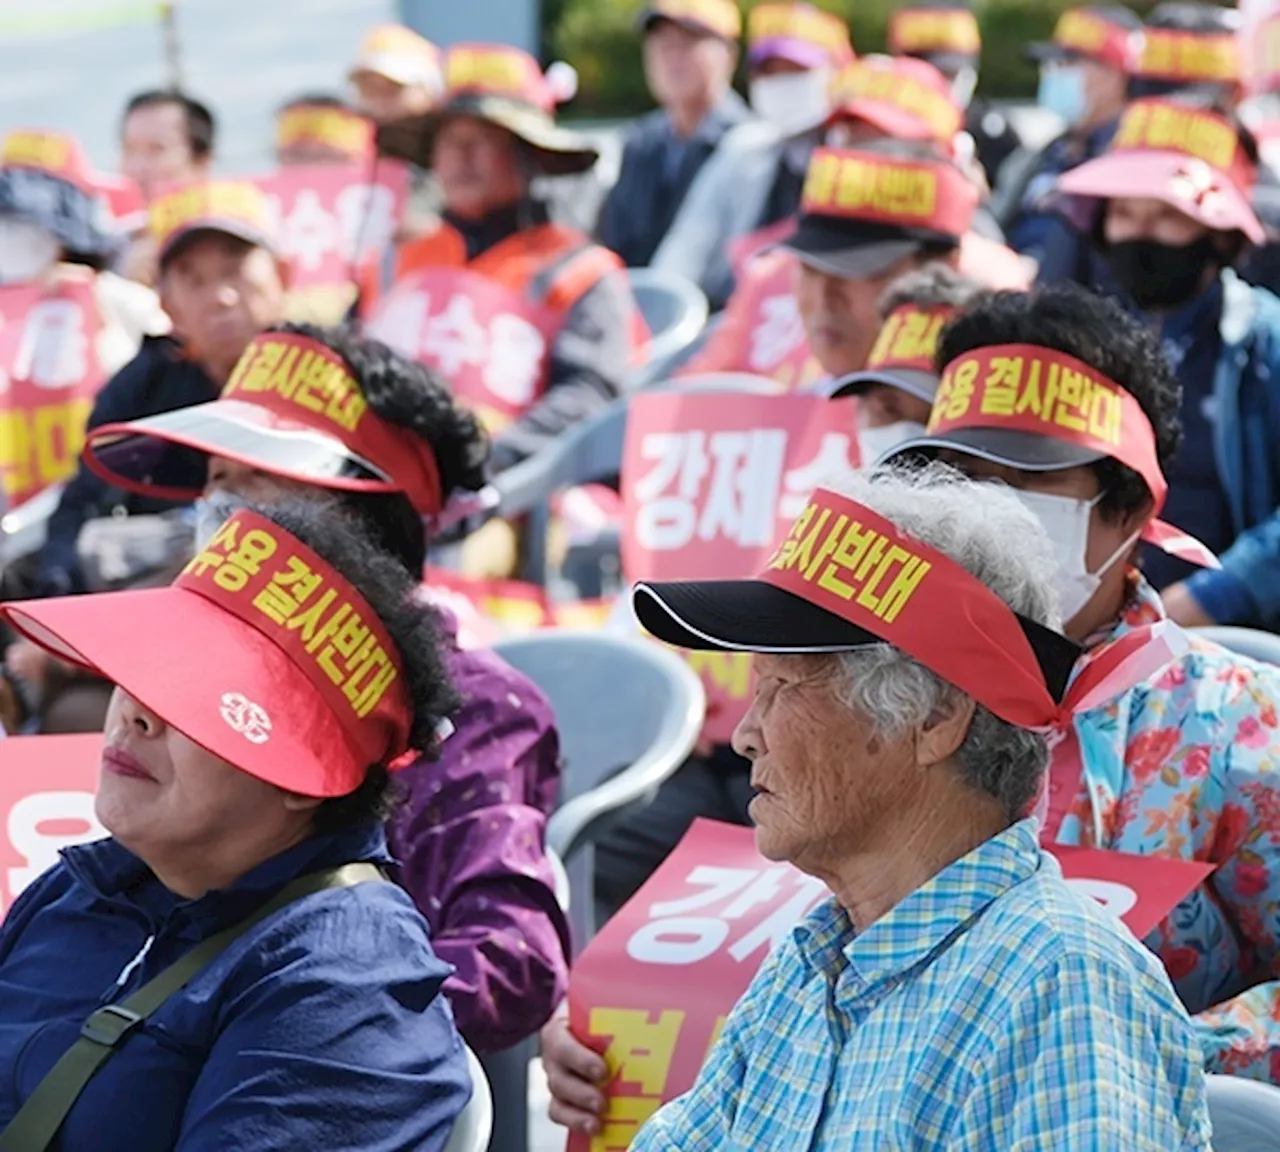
297,684
720,18
236,208
1109,34
903,354
1186,58
903,97
1037,409
799,33
1189,158
400,55
861,211
947,35
342,130
291,408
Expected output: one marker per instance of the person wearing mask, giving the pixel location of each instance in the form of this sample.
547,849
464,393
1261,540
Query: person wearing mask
946,34
470,836
752,181
396,74
221,282
690,53
1182,764
896,388
1167,210
802,314
321,129
572,332
1084,80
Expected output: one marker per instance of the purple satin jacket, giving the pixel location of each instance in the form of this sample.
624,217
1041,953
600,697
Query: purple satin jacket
470,843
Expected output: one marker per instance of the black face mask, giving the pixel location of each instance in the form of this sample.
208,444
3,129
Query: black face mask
1161,276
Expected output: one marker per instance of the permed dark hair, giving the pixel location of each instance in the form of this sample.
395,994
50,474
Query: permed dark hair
330,530
201,126
416,397
1103,335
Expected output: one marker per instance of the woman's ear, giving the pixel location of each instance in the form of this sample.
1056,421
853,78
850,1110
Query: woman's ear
940,737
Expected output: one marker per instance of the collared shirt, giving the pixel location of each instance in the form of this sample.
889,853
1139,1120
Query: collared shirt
992,1008
471,842
322,1027
1187,766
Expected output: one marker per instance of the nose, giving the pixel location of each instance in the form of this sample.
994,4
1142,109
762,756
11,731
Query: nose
226,295
225,475
138,718
746,739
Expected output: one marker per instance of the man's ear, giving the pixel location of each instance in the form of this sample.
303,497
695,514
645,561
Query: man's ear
942,734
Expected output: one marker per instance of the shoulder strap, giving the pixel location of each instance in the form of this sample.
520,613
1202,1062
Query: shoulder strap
37,1122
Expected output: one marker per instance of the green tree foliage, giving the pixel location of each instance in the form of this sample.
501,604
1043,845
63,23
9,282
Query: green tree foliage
598,37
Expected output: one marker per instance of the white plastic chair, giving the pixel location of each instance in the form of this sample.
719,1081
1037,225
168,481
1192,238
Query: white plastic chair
675,310
23,529
1245,1114
474,1125
1263,646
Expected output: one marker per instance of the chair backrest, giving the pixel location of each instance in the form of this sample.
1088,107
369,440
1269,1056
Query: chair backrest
628,712
475,1124
1264,646
1245,1114
675,311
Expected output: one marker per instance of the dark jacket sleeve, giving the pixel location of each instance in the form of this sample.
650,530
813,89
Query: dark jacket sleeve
156,380
591,360
637,181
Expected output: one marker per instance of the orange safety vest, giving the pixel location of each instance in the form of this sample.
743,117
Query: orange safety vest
542,272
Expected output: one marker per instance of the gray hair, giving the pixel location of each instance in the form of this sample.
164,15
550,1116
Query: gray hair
987,531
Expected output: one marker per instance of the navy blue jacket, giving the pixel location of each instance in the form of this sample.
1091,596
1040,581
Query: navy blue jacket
642,204
158,379
321,1028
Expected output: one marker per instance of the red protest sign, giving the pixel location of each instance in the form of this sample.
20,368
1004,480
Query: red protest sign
761,332
743,249
489,342
47,786
652,990
710,483
332,219
49,374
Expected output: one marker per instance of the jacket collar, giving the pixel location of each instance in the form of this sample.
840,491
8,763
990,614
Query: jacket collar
110,872
490,230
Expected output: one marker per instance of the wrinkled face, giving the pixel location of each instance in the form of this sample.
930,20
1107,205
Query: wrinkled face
252,484
477,166
882,405
683,66
221,292
841,316
155,148
824,778
166,798
384,101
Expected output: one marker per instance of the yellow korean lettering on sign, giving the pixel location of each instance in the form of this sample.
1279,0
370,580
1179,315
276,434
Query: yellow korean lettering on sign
303,376
640,1052
1164,126
855,563
40,446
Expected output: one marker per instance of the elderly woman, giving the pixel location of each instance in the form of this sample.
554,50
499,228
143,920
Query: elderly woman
954,992
311,412
232,954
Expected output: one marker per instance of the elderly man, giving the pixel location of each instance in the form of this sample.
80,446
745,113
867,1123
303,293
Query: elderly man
530,322
690,52
954,992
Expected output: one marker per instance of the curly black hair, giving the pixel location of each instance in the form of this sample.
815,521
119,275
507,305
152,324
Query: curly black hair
1103,335
415,397
332,531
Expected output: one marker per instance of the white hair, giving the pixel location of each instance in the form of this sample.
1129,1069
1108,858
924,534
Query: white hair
985,529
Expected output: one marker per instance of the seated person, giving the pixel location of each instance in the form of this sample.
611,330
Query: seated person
244,789
321,130
570,332
1181,765
954,991
470,837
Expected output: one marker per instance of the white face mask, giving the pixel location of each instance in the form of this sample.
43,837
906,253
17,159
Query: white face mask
212,512
27,251
875,442
793,101
1066,521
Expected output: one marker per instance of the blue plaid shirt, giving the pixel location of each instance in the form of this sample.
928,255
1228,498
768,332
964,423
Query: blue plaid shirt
990,1009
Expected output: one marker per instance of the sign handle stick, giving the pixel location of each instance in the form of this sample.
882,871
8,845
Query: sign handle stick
172,42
